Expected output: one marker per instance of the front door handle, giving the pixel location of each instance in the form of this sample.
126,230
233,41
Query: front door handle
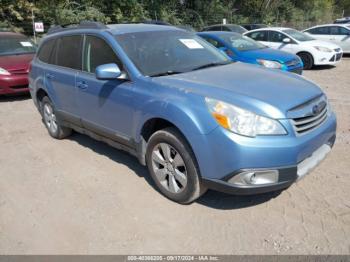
82,85
49,76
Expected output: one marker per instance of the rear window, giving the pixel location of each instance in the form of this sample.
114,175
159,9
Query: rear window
69,52
46,51
237,29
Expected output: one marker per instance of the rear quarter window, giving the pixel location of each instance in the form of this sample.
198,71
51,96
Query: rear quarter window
46,51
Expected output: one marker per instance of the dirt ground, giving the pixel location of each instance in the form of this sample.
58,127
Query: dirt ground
79,196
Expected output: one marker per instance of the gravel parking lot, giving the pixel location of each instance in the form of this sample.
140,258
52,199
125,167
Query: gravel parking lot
80,196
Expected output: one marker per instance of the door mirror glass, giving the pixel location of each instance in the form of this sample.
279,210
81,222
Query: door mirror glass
109,72
286,40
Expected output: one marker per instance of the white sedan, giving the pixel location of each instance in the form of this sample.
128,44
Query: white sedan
338,34
311,51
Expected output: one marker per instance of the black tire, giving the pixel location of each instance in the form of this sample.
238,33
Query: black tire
194,188
307,59
60,132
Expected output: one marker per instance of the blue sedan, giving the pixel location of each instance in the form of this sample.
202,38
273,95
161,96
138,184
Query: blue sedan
244,49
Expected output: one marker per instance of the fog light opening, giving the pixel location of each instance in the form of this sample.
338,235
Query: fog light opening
255,177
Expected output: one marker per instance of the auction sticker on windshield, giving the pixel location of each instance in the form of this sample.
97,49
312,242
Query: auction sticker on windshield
191,43
26,44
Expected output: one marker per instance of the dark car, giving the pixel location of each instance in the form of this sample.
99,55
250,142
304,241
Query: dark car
226,27
253,26
187,28
16,52
344,20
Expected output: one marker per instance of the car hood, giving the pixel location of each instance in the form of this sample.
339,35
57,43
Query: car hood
264,91
320,43
16,62
269,54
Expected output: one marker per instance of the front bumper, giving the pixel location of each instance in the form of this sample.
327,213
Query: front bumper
223,155
14,84
328,58
237,183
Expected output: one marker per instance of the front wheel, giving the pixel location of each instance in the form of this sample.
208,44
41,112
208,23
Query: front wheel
307,59
173,167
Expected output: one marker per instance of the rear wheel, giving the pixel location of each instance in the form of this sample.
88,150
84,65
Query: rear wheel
307,59
173,167
55,129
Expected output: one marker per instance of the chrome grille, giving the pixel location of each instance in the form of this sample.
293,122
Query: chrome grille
305,124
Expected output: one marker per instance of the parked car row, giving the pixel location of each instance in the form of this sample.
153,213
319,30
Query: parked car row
194,117
293,50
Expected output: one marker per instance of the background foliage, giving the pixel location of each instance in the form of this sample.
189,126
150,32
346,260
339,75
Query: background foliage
17,14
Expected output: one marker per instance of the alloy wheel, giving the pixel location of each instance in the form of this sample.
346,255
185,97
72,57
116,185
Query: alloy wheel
169,168
50,118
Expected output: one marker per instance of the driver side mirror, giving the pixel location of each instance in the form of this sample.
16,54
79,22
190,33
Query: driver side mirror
286,40
109,72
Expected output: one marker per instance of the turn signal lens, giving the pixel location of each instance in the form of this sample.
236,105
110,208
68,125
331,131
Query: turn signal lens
222,120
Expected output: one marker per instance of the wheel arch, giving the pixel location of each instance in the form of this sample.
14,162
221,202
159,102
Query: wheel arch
193,126
308,53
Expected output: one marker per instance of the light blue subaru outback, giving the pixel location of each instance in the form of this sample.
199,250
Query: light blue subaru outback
195,118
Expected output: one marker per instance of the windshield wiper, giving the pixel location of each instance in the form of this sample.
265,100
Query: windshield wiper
167,73
212,65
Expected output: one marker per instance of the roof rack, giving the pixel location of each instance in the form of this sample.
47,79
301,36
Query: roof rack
81,25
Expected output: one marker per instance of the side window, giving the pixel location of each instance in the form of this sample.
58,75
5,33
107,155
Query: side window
225,28
324,30
310,31
46,51
337,30
343,31
276,37
97,52
258,36
69,52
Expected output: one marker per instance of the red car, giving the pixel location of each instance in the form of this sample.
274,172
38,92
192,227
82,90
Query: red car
16,53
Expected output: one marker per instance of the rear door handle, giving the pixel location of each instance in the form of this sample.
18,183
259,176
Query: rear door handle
82,85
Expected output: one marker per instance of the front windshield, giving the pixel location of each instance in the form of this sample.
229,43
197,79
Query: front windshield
242,43
16,45
157,52
298,35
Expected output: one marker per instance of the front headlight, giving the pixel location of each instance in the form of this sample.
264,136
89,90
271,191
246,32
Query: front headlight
269,63
241,121
4,72
323,49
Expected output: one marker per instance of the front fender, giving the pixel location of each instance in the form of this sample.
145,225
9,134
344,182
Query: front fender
190,115
193,121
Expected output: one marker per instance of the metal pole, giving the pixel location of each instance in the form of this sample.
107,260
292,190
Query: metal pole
33,26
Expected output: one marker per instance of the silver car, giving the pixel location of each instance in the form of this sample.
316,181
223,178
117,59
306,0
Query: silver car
338,34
